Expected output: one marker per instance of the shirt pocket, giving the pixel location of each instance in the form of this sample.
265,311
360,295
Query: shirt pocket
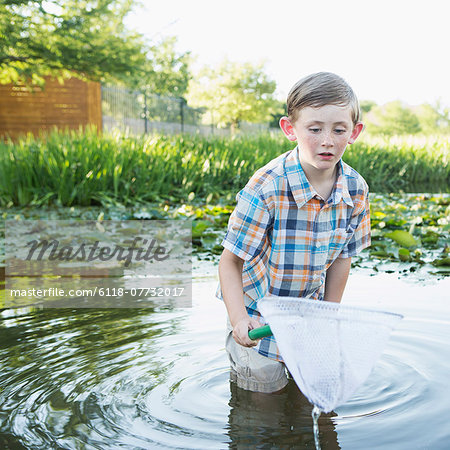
338,240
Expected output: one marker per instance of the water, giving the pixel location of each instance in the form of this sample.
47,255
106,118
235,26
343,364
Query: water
145,379
315,416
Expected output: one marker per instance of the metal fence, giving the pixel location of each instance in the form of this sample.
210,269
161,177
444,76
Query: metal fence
138,113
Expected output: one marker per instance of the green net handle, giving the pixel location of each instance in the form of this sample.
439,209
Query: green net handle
260,332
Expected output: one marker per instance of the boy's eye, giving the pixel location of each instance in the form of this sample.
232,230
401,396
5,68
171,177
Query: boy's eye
314,130
339,131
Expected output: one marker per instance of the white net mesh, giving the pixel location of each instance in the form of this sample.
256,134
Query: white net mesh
329,348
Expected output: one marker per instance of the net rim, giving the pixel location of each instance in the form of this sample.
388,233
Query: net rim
326,306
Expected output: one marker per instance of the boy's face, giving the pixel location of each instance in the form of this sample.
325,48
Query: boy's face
322,134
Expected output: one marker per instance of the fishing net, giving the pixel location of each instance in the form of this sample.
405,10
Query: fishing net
329,348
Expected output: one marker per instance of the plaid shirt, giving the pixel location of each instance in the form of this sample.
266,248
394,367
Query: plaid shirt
288,237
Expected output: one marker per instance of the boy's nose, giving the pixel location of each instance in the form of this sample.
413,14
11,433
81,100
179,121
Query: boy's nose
327,141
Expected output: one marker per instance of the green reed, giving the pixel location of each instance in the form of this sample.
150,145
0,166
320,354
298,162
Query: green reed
402,164
84,168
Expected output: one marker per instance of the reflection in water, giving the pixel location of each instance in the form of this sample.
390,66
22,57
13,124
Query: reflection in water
279,420
66,373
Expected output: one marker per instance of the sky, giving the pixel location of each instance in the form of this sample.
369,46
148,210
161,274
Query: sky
386,50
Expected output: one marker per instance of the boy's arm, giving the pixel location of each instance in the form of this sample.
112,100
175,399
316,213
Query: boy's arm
336,279
230,275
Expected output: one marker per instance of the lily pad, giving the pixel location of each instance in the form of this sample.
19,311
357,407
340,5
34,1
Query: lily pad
430,237
441,262
404,254
403,238
380,253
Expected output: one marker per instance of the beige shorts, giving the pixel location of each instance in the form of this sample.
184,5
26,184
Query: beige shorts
252,371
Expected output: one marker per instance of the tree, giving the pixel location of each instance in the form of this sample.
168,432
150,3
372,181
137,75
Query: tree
281,110
366,106
234,93
166,71
433,119
392,118
65,38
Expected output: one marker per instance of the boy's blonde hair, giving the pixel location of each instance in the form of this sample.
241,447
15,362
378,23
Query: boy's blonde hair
320,89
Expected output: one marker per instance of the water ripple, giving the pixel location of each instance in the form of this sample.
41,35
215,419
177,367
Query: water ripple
151,379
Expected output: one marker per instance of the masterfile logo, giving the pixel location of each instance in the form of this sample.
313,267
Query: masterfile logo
52,251
74,263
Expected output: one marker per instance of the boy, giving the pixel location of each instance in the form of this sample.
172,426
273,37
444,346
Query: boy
296,225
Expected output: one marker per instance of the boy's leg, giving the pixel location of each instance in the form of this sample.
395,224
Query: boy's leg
252,371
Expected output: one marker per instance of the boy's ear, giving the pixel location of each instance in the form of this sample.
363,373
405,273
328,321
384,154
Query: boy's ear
359,126
287,128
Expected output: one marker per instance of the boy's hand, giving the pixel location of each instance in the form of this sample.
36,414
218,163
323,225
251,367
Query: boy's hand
241,329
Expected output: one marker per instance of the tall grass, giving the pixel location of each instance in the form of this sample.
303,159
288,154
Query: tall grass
402,163
83,168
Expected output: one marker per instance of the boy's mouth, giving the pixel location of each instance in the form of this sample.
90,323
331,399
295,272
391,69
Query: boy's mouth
326,155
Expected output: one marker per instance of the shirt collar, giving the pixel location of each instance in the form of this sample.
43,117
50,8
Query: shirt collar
340,191
302,191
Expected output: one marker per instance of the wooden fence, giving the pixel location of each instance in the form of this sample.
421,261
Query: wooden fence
70,105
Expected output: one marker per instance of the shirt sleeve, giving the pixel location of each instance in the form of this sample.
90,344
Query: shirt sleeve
361,236
248,225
